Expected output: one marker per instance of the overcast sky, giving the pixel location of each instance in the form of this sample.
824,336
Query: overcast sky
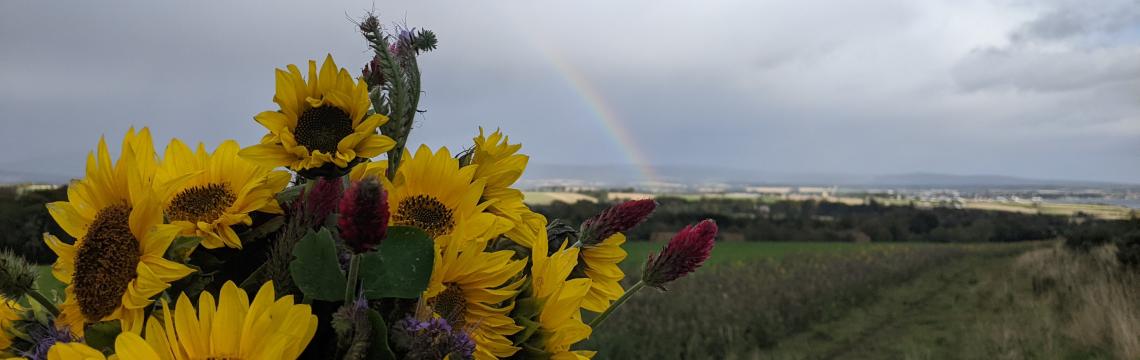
1043,89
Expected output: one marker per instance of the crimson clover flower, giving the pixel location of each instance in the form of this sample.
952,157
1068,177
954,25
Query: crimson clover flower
363,221
683,255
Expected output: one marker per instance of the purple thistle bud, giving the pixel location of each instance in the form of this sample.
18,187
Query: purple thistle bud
617,218
683,255
363,218
432,339
43,337
321,200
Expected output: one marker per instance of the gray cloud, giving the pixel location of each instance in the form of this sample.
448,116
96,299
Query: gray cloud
1038,89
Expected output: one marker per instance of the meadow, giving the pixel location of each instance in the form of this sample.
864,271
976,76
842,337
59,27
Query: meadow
762,300
739,252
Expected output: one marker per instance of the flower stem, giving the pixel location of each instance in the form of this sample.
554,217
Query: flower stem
43,300
621,300
353,275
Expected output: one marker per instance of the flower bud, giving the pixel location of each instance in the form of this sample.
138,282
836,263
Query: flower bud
683,255
372,74
618,218
321,200
17,277
559,232
363,218
370,24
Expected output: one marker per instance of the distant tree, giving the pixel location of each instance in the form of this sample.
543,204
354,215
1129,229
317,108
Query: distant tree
923,222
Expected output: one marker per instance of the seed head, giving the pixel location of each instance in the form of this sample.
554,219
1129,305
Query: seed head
370,24
683,255
17,277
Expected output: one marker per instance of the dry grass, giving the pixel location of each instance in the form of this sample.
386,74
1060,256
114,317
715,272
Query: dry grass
545,198
1093,301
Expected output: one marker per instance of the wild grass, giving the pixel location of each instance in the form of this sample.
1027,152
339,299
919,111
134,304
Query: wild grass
1092,301
745,307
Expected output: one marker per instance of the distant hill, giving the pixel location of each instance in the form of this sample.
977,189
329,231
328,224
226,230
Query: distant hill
621,175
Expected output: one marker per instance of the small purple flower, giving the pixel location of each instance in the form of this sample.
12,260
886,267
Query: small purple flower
43,337
432,339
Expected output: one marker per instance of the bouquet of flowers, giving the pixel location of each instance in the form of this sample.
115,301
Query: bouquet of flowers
327,239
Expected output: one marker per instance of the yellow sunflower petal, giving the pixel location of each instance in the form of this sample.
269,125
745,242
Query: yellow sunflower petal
269,155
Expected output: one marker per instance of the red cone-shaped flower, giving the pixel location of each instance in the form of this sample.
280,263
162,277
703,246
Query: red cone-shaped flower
617,218
683,255
363,218
321,200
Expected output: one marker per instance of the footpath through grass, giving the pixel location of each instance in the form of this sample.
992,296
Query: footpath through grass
948,312
846,301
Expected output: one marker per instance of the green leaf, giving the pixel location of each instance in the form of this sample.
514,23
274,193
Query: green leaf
315,268
181,248
102,335
400,267
285,197
263,230
530,327
378,348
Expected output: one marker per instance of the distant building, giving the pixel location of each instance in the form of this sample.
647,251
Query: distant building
21,189
814,190
769,190
625,196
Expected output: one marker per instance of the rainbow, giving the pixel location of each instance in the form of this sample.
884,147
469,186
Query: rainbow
608,118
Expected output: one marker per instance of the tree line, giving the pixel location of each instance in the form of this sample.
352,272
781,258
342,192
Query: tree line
24,219
785,220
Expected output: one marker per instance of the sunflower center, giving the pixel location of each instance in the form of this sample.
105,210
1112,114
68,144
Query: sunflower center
204,203
105,263
425,212
450,305
321,128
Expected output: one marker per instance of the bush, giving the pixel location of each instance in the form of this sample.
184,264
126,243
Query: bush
1128,250
1087,236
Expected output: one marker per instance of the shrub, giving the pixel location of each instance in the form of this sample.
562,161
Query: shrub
1128,250
1087,236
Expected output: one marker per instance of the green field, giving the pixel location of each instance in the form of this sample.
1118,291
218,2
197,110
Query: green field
738,252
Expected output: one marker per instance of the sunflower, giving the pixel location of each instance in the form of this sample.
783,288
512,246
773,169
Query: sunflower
322,125
206,194
267,329
74,351
431,192
115,266
374,169
500,165
469,286
10,312
560,320
600,264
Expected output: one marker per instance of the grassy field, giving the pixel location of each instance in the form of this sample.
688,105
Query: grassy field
823,301
740,252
